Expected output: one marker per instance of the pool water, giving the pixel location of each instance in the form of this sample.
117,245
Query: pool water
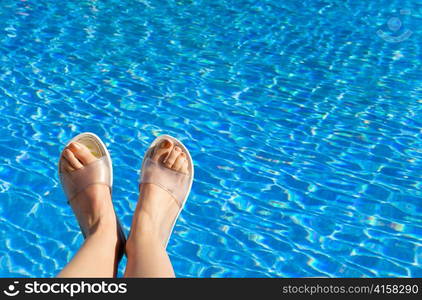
303,119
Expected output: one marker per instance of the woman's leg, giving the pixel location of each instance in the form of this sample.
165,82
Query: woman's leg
153,219
98,256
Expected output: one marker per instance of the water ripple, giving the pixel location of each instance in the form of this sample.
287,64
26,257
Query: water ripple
303,124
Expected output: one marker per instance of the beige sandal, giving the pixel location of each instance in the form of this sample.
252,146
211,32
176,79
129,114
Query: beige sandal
97,172
177,184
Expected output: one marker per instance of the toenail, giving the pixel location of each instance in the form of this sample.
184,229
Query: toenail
76,145
177,149
165,144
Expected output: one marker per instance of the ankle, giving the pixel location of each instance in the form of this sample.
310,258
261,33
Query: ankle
144,227
106,227
145,223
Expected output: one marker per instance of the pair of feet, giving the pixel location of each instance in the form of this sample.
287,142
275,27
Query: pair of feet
156,208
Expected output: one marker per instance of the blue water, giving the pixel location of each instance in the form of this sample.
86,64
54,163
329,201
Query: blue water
303,118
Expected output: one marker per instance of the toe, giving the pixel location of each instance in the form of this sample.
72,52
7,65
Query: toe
162,150
82,153
171,159
185,167
65,166
180,160
71,160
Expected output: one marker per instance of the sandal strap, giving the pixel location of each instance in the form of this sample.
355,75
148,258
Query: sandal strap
174,182
97,172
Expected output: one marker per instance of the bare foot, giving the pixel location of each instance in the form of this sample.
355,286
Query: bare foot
92,206
157,209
